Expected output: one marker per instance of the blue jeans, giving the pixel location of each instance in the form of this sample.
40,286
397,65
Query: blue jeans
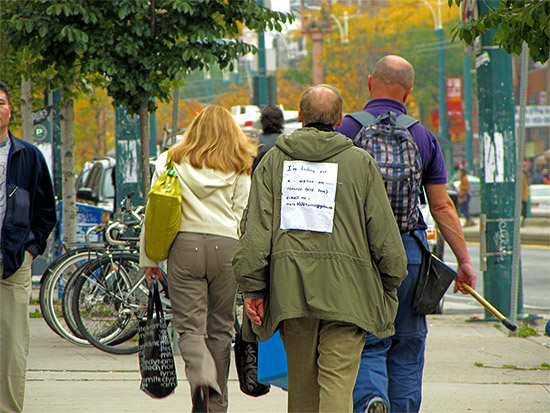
463,208
391,368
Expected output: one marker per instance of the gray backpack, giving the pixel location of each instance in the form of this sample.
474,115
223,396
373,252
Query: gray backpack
394,150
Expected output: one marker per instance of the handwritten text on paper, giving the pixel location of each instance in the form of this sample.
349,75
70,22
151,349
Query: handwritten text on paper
308,194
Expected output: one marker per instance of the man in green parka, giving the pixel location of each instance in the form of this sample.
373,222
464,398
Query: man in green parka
321,255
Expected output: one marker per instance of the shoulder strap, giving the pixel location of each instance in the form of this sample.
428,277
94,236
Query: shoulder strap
405,121
364,118
169,161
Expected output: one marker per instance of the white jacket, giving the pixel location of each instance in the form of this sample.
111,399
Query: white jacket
213,201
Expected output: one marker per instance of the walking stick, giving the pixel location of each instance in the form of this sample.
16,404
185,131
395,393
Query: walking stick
507,323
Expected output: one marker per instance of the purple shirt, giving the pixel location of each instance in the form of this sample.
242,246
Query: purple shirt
433,164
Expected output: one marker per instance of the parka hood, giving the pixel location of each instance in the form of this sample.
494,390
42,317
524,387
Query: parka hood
311,144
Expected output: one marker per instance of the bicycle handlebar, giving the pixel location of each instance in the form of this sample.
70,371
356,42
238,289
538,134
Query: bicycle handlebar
95,228
110,240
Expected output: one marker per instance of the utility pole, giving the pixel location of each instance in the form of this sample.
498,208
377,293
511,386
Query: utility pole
467,107
441,84
262,76
316,30
498,169
468,10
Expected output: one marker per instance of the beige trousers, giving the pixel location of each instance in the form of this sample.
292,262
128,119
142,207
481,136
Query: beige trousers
15,293
202,292
323,359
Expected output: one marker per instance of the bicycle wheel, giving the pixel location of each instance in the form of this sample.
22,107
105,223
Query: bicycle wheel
44,279
54,287
68,294
109,299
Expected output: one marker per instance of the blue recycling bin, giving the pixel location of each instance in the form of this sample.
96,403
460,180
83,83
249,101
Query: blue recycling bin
272,367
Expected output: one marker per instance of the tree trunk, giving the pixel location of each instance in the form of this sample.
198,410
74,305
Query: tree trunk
68,170
145,137
26,109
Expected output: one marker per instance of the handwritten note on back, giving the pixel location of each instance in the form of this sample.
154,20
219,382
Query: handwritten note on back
308,194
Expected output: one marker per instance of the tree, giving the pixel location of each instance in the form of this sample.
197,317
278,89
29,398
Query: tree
403,27
143,47
140,48
94,125
54,45
235,96
514,22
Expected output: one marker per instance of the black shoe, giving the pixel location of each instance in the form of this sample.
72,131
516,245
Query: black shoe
376,405
200,399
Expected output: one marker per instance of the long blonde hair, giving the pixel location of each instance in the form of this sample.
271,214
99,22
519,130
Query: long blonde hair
215,140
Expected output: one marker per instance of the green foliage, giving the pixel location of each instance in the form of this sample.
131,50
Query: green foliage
513,23
35,314
526,331
140,47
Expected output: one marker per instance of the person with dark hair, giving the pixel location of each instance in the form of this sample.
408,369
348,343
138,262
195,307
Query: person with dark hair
272,121
320,258
27,216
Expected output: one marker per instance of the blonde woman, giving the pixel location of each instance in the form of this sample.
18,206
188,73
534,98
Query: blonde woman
213,162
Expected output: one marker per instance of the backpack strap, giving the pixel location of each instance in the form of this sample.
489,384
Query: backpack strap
365,118
405,121
362,117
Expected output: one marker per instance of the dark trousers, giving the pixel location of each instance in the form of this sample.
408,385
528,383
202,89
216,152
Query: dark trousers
392,367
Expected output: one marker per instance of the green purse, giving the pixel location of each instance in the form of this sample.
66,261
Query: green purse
163,213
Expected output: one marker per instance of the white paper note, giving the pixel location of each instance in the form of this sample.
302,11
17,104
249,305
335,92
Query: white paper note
308,194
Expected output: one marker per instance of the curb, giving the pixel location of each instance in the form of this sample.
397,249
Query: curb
542,239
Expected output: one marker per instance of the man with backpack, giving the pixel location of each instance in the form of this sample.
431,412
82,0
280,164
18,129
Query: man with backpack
390,375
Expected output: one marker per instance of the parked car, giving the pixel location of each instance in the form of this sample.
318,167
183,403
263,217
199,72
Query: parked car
95,184
540,200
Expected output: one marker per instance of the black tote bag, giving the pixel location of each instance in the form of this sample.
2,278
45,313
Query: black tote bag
156,359
434,279
246,359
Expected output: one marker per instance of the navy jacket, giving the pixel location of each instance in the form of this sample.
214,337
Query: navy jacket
30,210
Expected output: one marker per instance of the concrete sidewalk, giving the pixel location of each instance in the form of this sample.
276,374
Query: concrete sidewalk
470,366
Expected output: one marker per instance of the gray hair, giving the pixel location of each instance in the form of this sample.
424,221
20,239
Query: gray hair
321,104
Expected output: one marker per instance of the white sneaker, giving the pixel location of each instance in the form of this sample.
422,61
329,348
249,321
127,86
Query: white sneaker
376,405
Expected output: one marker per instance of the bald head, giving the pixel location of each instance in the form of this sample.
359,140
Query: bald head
392,77
321,104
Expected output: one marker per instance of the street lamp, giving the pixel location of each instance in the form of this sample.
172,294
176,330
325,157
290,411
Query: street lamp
438,27
343,33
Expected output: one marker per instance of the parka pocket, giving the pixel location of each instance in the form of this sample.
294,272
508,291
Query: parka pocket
18,211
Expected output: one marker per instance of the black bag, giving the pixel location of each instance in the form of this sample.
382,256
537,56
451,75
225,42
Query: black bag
246,360
433,281
156,360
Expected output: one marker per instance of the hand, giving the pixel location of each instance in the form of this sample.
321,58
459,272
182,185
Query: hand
465,274
153,272
254,309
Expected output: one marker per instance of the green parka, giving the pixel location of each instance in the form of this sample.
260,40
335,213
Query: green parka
349,275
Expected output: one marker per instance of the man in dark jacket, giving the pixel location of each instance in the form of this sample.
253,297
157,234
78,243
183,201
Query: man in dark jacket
27,216
320,257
